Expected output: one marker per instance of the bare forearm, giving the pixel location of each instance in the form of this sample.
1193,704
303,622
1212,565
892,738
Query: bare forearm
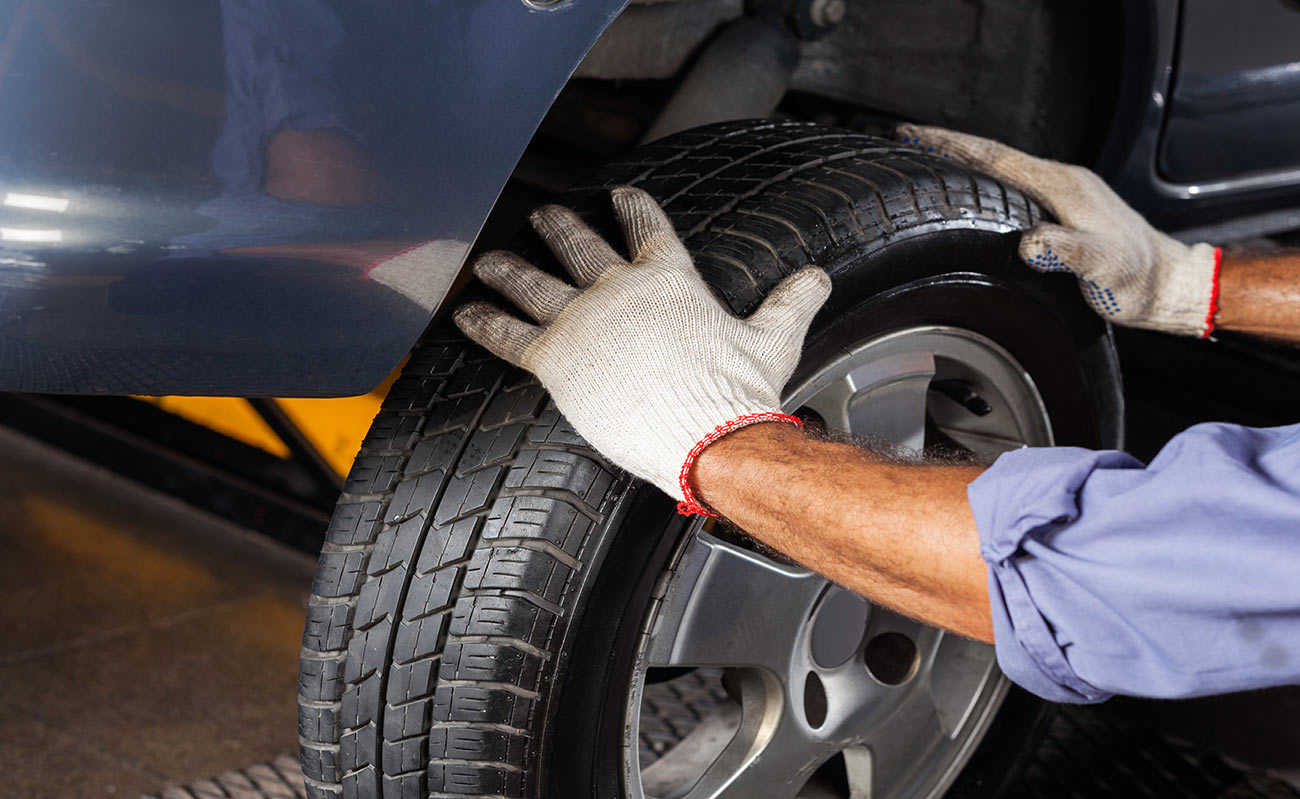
1259,294
900,534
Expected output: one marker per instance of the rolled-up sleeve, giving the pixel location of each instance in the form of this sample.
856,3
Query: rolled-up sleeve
1176,579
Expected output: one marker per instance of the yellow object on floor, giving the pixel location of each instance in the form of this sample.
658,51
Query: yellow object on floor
229,416
335,427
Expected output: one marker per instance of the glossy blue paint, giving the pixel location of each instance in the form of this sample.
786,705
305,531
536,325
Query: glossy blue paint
193,195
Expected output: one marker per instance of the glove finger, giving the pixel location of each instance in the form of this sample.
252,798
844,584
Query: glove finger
648,230
538,294
791,306
1034,176
496,331
582,251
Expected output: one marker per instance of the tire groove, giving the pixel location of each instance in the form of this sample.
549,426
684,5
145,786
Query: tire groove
400,602
848,202
880,195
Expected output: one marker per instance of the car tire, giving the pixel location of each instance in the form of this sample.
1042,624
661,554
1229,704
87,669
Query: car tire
479,604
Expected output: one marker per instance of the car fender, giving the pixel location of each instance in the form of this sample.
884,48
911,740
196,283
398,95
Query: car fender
251,198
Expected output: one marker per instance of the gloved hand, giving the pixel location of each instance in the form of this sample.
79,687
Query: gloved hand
642,359
1129,272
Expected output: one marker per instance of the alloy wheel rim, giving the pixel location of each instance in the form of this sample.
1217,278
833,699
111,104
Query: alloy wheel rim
826,694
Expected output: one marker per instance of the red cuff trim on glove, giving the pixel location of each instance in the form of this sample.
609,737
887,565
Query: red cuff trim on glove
1214,294
689,506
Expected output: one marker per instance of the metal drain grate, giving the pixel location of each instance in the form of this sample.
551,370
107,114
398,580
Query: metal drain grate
279,779
1091,752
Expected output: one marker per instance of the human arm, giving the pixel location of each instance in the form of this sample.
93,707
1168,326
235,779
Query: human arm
1259,294
1128,271
1094,574
900,534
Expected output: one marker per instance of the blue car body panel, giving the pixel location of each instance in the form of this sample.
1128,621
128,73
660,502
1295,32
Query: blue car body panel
194,196
206,197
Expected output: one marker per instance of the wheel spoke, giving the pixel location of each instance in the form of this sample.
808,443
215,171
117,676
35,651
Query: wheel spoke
900,740
858,766
961,670
771,754
728,606
675,771
852,699
885,398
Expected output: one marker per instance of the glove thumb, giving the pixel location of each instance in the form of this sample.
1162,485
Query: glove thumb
791,306
1052,248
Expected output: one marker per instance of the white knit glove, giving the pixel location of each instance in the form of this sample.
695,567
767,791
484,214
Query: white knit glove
642,359
1129,272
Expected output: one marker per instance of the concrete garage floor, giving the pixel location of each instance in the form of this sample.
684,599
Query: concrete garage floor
142,644
145,645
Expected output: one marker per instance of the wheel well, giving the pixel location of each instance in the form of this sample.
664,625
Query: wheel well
1042,75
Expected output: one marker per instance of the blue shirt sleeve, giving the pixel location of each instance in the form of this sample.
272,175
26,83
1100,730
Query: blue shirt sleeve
1177,579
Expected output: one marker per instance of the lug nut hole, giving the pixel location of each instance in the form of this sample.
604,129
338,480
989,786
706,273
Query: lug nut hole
891,658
